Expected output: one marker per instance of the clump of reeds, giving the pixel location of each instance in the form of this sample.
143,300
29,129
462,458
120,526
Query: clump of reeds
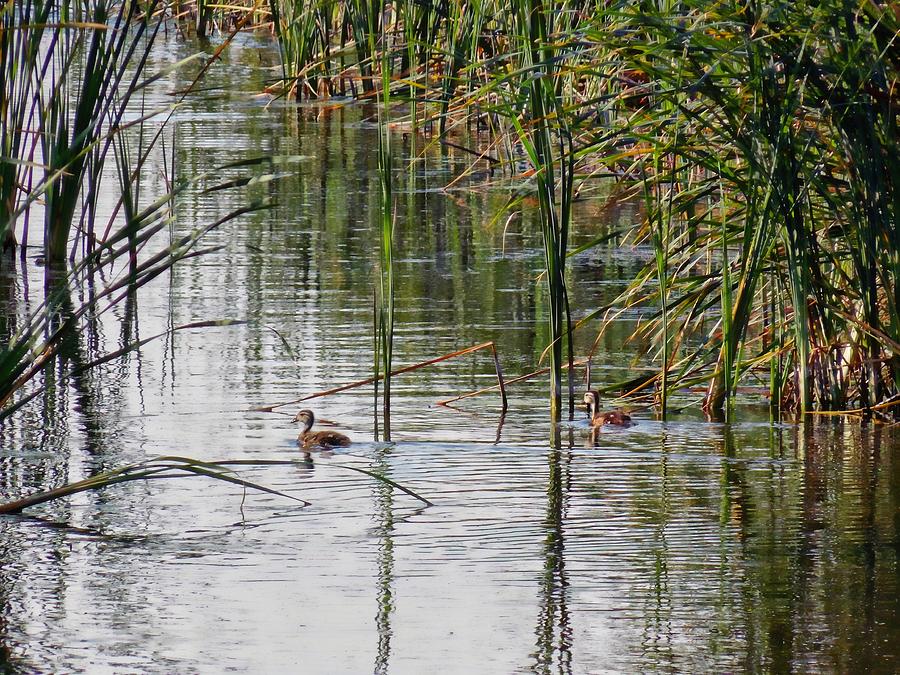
763,138
542,127
70,71
779,133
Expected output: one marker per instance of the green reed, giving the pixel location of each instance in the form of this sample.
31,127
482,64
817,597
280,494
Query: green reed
765,137
69,70
385,341
300,41
744,113
547,139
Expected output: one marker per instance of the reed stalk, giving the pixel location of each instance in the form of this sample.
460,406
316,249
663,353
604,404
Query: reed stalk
386,230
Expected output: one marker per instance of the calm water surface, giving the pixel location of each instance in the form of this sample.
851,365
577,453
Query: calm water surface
677,547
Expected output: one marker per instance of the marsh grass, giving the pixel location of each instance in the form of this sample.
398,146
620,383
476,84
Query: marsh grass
762,137
800,225
544,132
38,338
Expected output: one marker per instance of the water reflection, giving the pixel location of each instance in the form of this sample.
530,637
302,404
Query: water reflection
554,634
384,514
660,631
681,547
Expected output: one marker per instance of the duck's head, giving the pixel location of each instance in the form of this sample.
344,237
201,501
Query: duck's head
306,420
591,401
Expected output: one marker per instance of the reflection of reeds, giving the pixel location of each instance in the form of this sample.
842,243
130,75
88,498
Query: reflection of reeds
554,629
384,510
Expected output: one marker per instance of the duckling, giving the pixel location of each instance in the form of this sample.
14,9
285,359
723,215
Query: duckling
317,439
614,418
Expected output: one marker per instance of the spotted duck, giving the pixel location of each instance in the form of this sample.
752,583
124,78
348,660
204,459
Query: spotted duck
317,439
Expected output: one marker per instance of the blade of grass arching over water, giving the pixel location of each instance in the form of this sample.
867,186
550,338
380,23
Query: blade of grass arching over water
384,479
157,468
291,462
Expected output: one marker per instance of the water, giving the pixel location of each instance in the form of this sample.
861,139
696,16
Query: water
677,547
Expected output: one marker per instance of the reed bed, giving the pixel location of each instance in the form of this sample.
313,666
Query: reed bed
762,139
69,72
777,130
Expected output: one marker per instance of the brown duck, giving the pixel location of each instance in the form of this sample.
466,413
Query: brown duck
614,418
317,439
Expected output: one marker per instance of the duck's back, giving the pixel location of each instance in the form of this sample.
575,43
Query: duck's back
614,418
317,439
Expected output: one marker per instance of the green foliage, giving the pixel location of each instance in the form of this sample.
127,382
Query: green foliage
544,133
785,187
69,71
763,137
44,332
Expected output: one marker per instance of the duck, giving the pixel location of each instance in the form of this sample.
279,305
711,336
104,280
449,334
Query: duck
614,418
317,439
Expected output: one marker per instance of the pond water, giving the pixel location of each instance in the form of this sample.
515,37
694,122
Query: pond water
683,546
